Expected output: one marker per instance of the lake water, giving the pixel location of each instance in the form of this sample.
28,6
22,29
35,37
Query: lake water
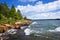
40,30
49,29
45,25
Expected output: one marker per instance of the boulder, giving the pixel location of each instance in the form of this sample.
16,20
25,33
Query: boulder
7,25
2,29
18,23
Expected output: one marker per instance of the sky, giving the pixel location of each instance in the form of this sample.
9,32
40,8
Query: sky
36,9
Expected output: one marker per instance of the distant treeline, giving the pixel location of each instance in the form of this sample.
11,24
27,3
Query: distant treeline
9,14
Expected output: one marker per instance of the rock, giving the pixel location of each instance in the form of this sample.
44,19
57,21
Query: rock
2,29
7,25
13,26
12,31
18,23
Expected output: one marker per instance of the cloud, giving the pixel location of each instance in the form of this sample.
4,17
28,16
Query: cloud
27,0
40,10
50,15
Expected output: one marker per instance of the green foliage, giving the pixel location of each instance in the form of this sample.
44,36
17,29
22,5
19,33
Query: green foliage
25,17
19,15
9,15
12,11
2,16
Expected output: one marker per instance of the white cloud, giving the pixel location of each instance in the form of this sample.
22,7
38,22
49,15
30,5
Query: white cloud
40,10
27,0
50,15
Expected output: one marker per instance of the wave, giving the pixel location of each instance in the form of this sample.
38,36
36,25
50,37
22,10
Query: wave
55,30
27,31
34,23
51,30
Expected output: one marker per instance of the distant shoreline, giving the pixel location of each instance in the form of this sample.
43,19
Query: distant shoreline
45,19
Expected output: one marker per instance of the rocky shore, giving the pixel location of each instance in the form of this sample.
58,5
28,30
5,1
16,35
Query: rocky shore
17,25
6,27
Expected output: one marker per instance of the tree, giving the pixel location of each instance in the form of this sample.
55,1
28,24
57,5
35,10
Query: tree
12,12
1,8
19,14
25,17
6,9
8,15
2,16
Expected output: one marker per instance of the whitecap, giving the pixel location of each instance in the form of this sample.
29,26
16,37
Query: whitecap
34,23
51,30
57,29
27,31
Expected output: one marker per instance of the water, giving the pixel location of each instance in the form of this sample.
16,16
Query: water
40,30
47,24
43,27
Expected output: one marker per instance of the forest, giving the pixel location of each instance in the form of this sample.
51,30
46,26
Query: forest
9,15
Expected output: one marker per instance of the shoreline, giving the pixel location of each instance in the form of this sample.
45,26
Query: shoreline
6,27
16,25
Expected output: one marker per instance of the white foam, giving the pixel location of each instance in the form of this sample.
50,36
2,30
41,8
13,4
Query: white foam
57,29
27,31
34,23
51,30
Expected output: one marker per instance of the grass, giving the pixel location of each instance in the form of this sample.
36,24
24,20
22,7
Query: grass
11,21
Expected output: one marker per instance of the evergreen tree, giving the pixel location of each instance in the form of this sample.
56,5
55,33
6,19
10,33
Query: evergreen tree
25,17
19,14
6,10
9,15
2,17
1,9
12,12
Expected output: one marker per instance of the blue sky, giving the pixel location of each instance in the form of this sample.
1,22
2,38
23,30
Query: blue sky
24,2
36,9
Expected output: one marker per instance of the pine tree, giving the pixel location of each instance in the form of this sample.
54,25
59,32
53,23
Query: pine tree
6,10
19,14
12,12
25,17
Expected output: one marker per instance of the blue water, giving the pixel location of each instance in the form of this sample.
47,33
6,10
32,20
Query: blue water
40,25
45,24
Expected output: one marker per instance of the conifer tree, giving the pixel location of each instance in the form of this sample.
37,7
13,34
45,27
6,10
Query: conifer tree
19,14
12,12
